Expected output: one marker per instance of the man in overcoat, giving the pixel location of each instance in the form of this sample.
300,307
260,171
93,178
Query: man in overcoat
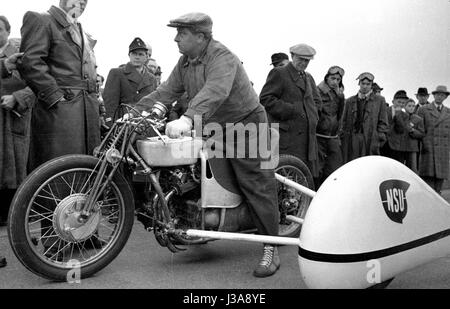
59,66
7,66
365,122
292,100
15,116
434,156
130,83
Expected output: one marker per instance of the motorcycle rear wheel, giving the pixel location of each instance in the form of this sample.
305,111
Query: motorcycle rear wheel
292,202
44,230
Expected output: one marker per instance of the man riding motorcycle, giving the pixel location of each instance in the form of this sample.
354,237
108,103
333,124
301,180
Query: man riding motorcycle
220,92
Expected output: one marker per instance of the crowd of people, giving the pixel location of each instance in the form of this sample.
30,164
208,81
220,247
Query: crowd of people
53,95
326,130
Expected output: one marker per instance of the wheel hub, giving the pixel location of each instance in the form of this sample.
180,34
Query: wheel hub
69,223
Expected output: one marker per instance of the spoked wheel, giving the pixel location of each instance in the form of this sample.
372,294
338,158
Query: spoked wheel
290,201
47,229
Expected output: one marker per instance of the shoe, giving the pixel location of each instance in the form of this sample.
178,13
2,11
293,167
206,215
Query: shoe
269,264
3,262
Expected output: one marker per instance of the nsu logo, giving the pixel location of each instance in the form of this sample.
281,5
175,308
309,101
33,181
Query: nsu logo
395,203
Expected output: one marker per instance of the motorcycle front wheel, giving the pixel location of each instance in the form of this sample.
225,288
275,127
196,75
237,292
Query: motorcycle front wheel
52,237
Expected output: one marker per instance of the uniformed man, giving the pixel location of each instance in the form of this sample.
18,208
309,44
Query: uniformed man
220,92
130,83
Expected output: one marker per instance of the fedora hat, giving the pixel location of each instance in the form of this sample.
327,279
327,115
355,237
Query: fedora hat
422,91
441,89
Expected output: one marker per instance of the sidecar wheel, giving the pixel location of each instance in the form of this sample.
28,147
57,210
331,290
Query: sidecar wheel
46,230
292,202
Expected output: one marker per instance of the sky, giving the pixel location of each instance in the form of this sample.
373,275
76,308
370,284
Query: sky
404,43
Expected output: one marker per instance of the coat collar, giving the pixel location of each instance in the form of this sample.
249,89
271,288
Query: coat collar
133,75
60,16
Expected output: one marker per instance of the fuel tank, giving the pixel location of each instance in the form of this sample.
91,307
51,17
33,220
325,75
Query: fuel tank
372,220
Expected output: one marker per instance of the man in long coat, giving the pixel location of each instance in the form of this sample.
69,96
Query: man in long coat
6,67
365,123
59,66
435,152
291,99
15,115
130,83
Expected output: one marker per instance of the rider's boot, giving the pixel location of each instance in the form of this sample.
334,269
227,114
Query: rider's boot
269,264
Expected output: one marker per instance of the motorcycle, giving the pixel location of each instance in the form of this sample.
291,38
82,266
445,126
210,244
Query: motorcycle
80,210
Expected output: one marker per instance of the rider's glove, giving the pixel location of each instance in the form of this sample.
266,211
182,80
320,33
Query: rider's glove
177,128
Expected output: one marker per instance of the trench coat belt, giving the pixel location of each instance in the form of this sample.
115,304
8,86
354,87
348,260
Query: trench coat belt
82,85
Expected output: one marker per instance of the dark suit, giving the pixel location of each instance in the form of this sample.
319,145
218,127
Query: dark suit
126,85
294,102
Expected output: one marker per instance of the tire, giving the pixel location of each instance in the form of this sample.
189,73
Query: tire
47,188
298,203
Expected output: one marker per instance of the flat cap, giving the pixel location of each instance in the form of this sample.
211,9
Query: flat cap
304,51
366,75
138,44
197,21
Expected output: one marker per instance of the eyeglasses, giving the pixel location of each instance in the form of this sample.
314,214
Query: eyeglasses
336,70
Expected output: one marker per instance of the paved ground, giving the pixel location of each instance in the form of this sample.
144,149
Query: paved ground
218,265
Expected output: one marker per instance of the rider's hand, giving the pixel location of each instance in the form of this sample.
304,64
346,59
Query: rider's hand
175,129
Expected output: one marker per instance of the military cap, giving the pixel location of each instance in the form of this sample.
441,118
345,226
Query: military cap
401,94
277,58
366,75
304,51
137,44
199,22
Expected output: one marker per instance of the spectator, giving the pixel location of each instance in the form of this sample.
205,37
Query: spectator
291,99
422,96
397,118
415,131
15,117
221,93
279,60
377,89
130,83
331,91
59,66
365,123
435,153
7,66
